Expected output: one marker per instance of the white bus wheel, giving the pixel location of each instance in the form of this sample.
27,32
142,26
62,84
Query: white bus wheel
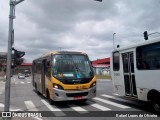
156,104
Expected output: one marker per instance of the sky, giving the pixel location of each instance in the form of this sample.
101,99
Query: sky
87,26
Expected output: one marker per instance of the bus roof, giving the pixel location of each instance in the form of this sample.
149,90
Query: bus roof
146,42
60,52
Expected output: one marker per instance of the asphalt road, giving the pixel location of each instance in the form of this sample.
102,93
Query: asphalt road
105,106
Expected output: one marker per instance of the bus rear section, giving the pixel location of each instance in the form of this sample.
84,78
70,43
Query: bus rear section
64,76
135,72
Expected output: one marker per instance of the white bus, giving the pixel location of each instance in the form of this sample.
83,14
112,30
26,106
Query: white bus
135,71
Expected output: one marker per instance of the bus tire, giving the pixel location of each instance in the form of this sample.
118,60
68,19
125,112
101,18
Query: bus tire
48,97
156,103
154,98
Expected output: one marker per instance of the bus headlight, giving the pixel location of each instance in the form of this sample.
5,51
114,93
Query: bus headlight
57,86
93,84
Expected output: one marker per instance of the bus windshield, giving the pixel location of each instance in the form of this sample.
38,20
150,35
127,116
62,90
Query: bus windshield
71,67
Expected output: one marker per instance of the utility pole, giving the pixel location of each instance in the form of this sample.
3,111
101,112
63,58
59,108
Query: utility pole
113,41
9,53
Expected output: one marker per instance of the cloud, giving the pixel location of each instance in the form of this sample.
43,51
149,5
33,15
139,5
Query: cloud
78,25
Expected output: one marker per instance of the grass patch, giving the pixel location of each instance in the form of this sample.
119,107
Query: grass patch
103,76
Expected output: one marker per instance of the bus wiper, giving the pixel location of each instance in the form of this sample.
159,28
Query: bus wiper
78,71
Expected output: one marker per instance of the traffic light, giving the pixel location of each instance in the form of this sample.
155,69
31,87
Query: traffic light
145,35
18,57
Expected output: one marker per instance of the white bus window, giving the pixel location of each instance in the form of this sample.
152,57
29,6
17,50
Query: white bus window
125,63
116,61
148,57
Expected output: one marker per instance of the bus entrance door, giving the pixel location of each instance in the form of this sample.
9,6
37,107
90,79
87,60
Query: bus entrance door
129,74
43,76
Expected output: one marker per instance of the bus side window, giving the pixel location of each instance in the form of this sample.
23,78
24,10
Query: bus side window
116,62
148,57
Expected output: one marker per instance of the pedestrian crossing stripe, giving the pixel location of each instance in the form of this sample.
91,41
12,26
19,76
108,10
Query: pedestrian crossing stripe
22,82
116,94
111,103
30,106
116,98
78,108
53,108
2,87
108,96
100,107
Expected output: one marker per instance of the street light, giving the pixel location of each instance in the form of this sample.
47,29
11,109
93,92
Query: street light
9,53
113,41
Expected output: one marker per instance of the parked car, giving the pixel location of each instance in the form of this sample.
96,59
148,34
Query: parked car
26,74
21,76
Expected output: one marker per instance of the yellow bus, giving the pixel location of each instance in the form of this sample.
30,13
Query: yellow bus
63,76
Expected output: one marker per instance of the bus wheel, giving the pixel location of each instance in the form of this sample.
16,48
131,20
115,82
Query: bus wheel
156,104
49,99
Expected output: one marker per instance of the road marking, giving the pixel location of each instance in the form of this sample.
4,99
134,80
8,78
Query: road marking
108,96
116,98
30,106
2,87
116,94
1,105
37,118
50,107
15,109
22,82
1,90
100,107
16,82
11,109
78,109
111,103
53,108
28,82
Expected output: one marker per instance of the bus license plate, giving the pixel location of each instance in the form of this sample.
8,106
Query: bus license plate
78,98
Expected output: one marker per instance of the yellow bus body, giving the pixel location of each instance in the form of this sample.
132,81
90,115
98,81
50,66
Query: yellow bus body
48,86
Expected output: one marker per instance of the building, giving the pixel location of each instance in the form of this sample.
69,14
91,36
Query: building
101,66
17,69
3,58
22,67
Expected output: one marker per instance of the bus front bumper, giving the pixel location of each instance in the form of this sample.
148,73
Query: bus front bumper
62,95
